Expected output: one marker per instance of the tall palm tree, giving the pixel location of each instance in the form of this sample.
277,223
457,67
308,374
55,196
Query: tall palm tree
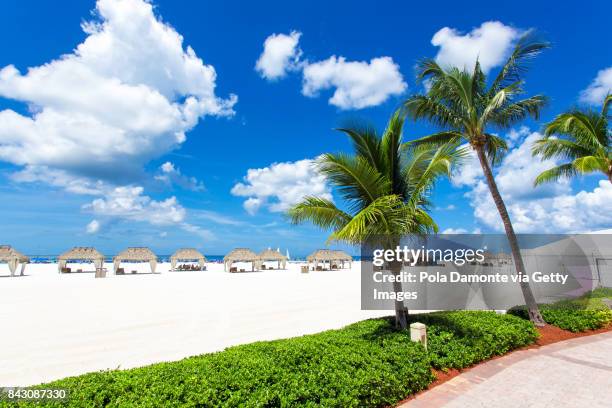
464,107
583,138
385,186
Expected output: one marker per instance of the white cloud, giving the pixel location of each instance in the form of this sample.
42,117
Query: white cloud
281,185
550,208
127,94
281,54
599,88
129,202
171,175
491,43
93,227
358,84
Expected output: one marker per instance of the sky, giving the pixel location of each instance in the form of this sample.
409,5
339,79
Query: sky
171,124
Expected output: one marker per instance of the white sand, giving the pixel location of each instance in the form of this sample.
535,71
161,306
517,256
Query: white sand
54,326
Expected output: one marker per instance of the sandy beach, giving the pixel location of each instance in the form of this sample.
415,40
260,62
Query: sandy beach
56,326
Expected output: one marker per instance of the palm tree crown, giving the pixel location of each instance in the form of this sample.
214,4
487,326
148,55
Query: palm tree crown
460,103
384,184
580,136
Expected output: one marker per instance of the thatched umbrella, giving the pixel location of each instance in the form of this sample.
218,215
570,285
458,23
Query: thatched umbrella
187,255
136,254
13,258
271,255
329,256
241,255
82,254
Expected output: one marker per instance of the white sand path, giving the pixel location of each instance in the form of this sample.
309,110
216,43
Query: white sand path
54,326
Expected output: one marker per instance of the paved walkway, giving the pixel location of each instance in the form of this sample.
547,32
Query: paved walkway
573,373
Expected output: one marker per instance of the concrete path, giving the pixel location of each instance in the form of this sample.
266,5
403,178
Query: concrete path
573,373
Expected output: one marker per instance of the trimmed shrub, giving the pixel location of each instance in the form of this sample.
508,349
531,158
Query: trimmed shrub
576,315
366,364
462,338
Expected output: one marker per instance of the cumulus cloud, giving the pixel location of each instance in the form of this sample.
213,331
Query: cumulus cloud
130,203
549,208
127,94
171,175
491,43
599,88
281,185
357,84
281,54
106,107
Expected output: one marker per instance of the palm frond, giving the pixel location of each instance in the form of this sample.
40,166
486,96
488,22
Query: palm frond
606,104
355,178
320,212
430,164
585,128
554,174
515,112
425,107
495,148
366,143
390,149
590,164
549,147
528,46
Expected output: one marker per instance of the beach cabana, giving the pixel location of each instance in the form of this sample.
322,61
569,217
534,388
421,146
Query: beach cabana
271,255
81,255
240,255
13,258
136,255
329,256
187,255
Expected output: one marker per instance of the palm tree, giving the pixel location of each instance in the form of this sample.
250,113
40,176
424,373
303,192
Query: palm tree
584,139
385,186
464,107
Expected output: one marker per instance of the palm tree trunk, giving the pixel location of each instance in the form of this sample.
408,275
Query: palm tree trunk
532,306
401,312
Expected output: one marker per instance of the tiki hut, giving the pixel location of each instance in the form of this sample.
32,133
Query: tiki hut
333,258
80,255
240,255
271,255
13,258
188,255
136,255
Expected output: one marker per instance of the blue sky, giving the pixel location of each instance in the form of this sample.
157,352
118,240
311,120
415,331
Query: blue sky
58,189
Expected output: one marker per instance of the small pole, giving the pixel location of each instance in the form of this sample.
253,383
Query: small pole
418,333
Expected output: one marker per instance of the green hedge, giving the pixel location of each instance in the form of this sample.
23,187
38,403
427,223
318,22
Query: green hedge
463,338
577,315
367,364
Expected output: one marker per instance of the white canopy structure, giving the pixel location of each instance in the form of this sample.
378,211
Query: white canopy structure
134,255
329,256
240,255
13,258
271,255
187,255
80,254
